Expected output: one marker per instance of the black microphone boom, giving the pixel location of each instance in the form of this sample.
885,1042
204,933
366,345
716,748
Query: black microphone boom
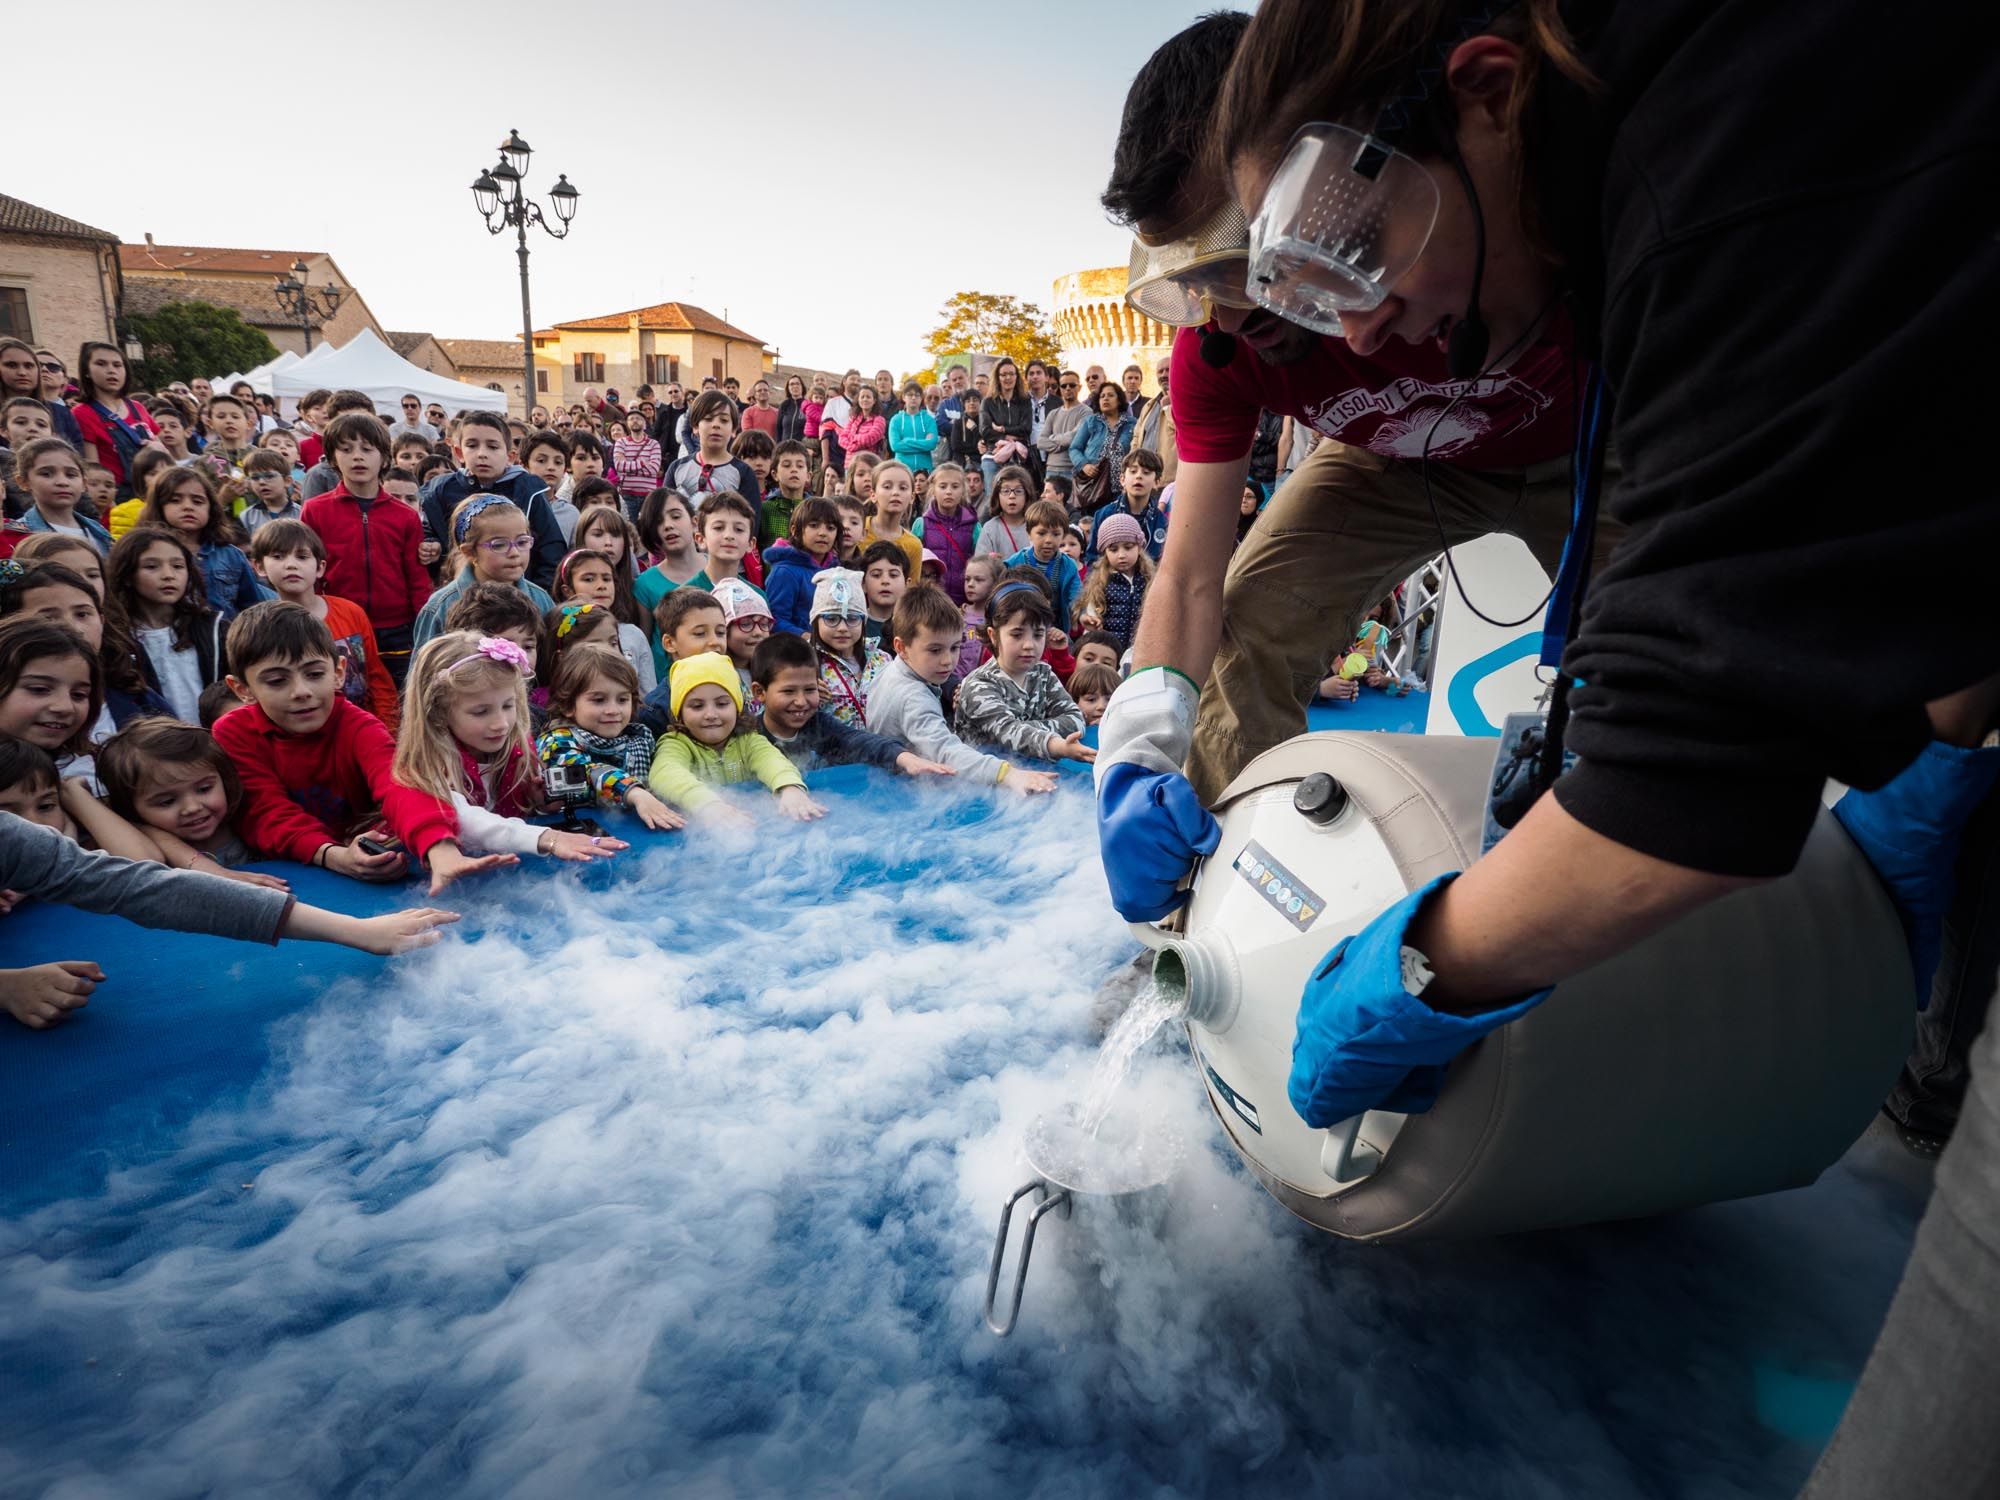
1465,349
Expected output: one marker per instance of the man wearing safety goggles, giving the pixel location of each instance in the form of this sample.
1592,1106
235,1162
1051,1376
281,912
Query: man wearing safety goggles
1423,459
1778,236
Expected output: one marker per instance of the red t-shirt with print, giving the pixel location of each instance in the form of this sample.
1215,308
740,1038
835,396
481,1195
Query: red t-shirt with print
1386,403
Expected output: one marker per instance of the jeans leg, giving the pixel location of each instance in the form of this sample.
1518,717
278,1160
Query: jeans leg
1922,1418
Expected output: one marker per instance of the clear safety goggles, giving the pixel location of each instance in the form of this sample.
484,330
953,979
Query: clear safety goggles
1178,281
1346,215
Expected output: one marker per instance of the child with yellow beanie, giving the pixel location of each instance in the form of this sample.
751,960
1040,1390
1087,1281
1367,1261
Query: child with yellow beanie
711,745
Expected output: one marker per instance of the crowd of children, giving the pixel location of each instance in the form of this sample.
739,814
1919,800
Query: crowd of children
221,645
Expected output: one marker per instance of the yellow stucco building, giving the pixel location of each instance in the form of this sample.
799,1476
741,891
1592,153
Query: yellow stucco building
1095,327
644,346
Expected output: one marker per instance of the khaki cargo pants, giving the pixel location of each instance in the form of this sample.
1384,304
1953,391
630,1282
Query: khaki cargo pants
1343,531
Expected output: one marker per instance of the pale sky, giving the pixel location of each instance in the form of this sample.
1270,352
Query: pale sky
826,173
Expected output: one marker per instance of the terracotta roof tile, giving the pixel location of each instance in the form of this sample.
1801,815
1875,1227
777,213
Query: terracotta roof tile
18,217
143,258
671,317
483,354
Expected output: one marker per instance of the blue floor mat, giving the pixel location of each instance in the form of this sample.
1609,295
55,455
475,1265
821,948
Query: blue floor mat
679,1176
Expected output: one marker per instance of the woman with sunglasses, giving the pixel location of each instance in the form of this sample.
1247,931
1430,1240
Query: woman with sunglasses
23,373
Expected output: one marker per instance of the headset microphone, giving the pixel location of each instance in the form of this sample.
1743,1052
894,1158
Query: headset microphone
1218,349
1465,349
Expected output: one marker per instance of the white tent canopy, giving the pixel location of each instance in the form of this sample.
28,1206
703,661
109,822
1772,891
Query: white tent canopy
365,363
260,378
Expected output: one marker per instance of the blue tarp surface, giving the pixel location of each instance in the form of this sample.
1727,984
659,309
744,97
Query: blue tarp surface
680,1176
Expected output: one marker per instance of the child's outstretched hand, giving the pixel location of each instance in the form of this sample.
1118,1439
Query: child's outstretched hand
400,931
912,764
797,804
448,863
654,813
357,863
580,848
47,993
722,814
1027,783
1070,747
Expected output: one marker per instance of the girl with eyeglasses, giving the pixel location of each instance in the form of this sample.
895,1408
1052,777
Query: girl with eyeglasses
492,544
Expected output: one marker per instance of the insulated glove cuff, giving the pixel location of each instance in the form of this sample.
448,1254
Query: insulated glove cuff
1149,722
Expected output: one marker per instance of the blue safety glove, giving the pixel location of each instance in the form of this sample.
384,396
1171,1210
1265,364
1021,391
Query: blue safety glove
1364,1040
1150,825
1911,829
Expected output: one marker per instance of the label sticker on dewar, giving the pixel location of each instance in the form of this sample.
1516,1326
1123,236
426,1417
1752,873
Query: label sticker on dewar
1245,1110
1289,896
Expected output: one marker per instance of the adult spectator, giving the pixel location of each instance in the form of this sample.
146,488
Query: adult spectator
934,404
760,415
792,411
1098,450
1059,427
435,415
886,391
1005,423
733,389
1092,379
54,376
1134,381
412,421
1156,426
839,411
21,376
953,406
268,419
667,419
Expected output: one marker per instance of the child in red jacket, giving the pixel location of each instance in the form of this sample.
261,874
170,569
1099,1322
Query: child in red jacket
371,538
314,765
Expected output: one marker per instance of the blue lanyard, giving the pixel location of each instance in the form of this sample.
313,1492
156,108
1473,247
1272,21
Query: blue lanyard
1572,574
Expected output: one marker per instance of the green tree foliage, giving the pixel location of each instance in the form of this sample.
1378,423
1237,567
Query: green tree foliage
186,339
983,323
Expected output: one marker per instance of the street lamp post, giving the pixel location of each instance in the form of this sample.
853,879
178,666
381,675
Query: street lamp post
300,301
497,194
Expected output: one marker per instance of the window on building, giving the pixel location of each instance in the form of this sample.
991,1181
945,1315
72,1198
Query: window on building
716,366
14,320
492,385
673,369
542,381
589,368
662,369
